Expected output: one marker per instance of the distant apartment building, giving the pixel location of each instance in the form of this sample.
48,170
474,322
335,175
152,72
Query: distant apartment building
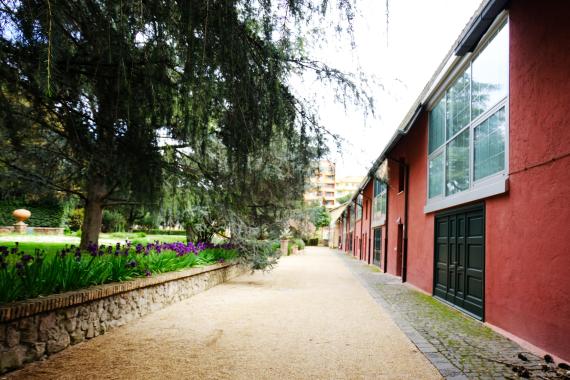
322,187
347,185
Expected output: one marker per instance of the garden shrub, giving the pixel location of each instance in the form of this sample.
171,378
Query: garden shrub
44,214
75,219
164,232
259,254
113,221
313,242
130,235
300,244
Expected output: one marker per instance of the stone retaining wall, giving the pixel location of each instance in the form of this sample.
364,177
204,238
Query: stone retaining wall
33,329
6,229
48,230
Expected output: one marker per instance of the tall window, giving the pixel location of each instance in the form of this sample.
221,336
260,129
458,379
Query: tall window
359,207
468,126
379,203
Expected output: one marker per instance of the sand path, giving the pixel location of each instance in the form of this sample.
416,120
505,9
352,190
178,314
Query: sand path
309,318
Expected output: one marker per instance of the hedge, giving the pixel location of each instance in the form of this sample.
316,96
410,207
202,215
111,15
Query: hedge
162,232
43,214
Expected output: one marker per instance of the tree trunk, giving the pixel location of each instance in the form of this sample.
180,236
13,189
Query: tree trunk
93,217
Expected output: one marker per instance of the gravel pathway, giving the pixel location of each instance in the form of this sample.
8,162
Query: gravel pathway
308,318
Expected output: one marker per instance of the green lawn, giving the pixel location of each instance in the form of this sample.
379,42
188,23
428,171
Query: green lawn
52,244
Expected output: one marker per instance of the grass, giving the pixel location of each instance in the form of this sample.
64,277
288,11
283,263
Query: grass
105,238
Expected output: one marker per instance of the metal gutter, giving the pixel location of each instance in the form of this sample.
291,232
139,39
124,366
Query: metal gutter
479,26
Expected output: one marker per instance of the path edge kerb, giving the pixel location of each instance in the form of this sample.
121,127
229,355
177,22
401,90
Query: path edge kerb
27,308
439,361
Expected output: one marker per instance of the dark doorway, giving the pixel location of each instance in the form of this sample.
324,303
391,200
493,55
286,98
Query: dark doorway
459,273
377,255
399,248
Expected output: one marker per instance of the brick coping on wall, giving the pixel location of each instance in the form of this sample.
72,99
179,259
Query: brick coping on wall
26,308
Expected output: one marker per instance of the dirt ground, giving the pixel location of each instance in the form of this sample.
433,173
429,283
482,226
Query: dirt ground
308,318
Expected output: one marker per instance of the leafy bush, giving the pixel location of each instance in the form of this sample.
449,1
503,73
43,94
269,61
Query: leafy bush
75,219
259,254
113,221
25,275
130,235
275,245
165,232
313,242
300,244
148,222
47,214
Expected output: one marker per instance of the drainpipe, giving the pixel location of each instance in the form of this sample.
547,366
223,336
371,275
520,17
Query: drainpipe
386,224
369,213
405,242
361,227
370,227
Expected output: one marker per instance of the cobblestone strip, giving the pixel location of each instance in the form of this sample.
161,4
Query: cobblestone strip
457,345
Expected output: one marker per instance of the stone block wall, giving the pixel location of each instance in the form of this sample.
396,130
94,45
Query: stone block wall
48,230
33,329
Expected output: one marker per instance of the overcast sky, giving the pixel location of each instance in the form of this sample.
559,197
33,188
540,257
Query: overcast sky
400,57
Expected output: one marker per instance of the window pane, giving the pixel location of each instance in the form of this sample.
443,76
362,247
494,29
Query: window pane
457,168
489,145
458,115
436,176
490,74
437,126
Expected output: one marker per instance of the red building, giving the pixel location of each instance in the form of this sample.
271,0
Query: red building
470,200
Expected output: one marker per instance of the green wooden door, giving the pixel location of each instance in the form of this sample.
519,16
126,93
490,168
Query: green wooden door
459,273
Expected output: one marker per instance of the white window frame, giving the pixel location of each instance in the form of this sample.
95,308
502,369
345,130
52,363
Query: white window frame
383,193
488,186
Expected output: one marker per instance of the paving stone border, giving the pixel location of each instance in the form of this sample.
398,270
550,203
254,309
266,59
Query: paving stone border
33,329
457,345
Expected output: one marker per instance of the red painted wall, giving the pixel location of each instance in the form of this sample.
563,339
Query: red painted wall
527,285
413,149
368,194
528,230
395,213
356,246
362,231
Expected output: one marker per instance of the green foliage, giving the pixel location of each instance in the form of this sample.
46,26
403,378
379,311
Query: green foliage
290,245
93,90
165,232
313,242
113,221
24,276
148,222
320,217
129,235
344,198
300,244
48,214
75,219
259,254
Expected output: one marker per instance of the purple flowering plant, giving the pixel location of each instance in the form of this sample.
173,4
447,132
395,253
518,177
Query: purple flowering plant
26,275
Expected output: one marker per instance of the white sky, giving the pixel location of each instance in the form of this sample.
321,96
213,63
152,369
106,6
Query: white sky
420,33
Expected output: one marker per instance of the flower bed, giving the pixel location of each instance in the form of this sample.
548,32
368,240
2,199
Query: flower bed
25,275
